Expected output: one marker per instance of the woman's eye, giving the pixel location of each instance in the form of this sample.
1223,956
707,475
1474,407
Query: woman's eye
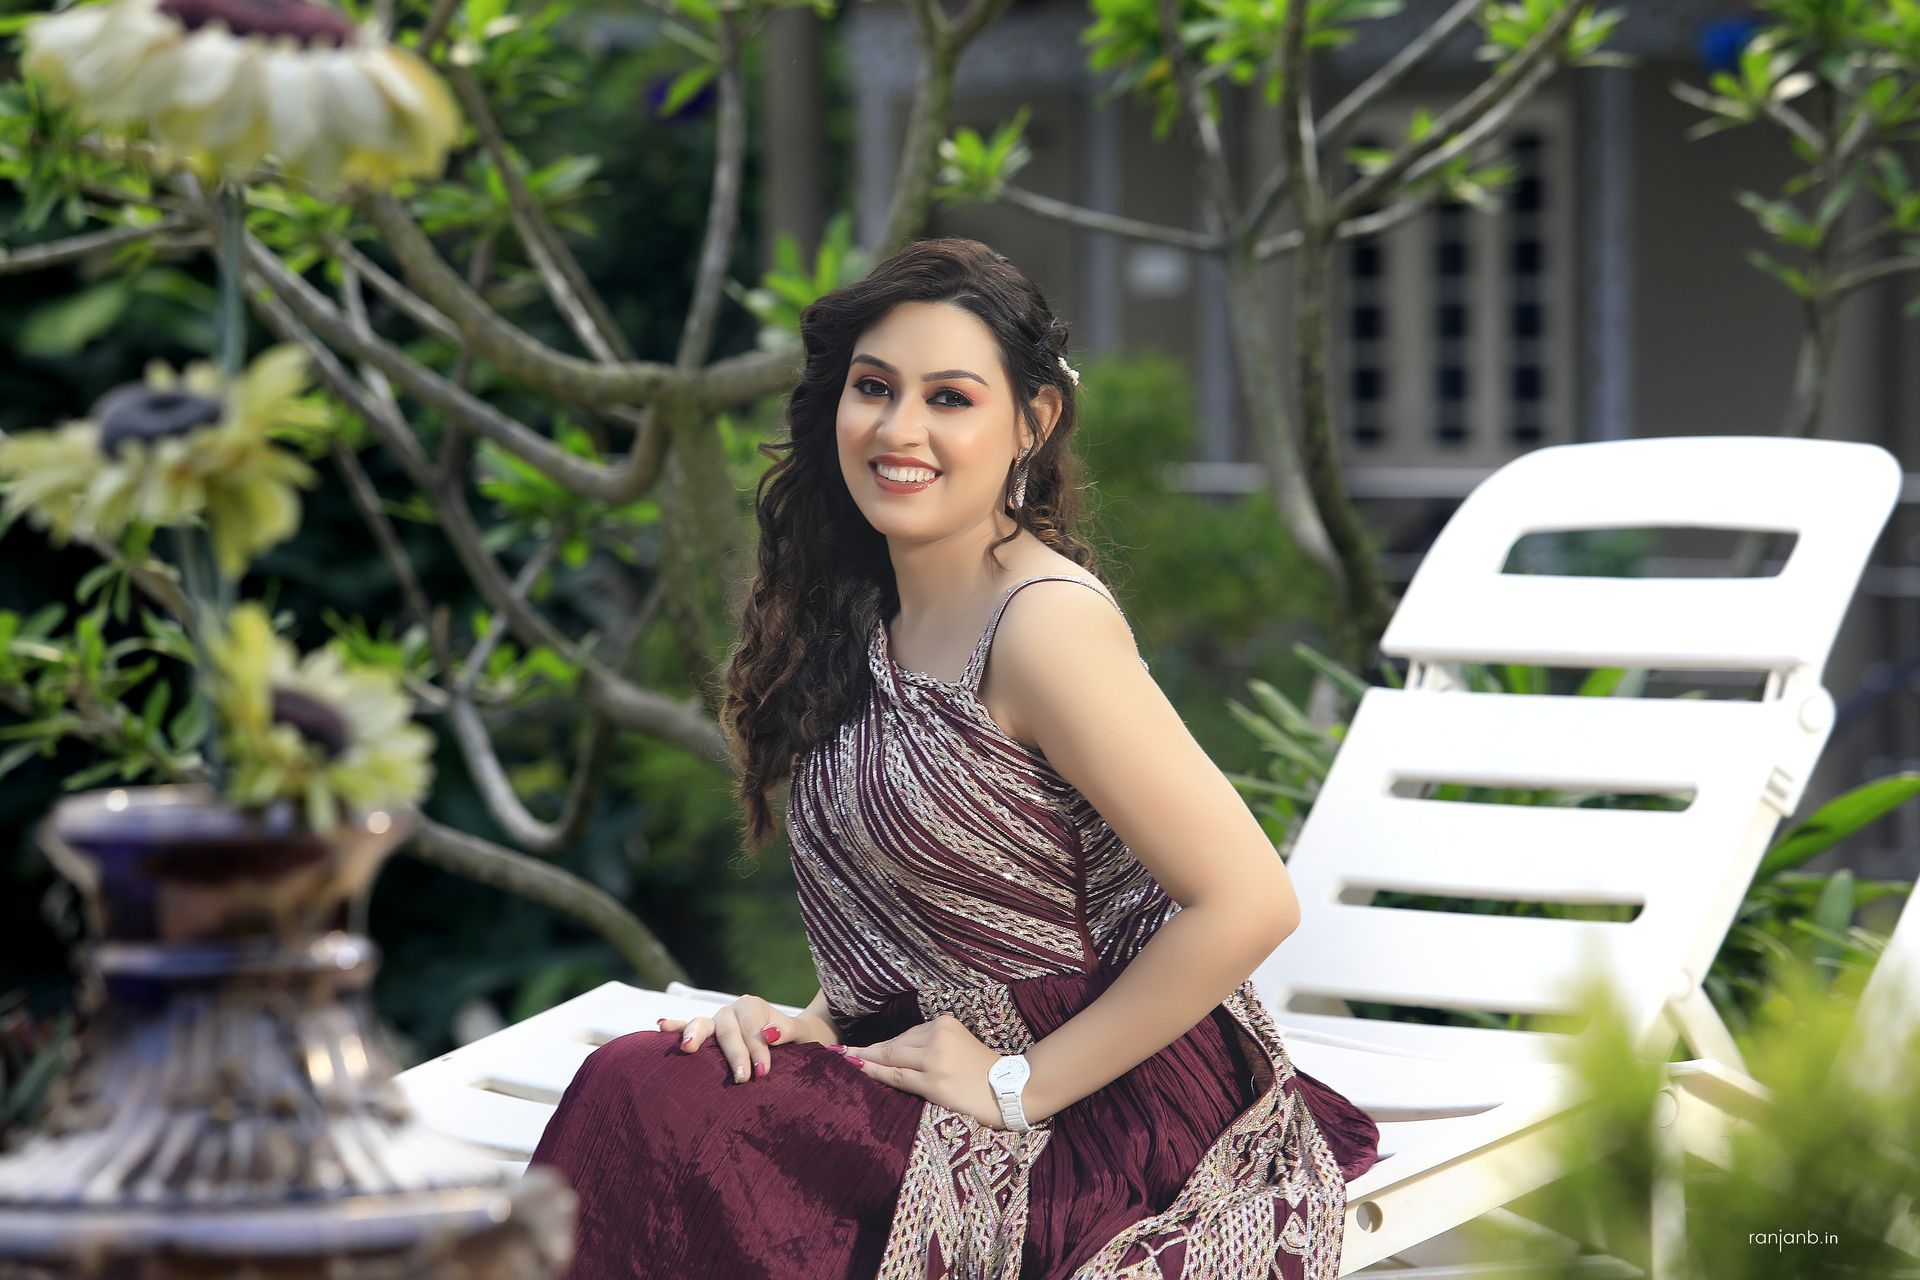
867,387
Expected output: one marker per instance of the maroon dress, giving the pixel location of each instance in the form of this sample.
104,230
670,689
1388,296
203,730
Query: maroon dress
944,867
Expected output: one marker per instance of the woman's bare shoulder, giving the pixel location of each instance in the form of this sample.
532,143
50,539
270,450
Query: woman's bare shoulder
1049,563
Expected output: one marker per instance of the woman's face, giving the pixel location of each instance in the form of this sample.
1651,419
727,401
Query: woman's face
926,388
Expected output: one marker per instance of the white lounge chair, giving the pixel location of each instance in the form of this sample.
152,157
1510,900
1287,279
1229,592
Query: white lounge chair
1468,1115
1475,1125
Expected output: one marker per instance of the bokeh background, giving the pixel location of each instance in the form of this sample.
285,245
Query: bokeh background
1608,288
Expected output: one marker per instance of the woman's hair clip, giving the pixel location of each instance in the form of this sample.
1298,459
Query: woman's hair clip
1070,370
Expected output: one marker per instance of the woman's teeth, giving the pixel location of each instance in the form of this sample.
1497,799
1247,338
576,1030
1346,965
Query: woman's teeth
905,475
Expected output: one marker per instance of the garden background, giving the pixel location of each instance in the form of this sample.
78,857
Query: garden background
1519,235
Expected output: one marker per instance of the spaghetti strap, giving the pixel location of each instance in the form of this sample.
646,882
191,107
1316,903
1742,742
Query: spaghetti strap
977,663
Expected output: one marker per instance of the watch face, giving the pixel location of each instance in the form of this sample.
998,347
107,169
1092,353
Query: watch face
1010,1072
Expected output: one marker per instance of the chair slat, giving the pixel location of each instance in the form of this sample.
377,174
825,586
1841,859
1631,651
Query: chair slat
1835,496
1686,869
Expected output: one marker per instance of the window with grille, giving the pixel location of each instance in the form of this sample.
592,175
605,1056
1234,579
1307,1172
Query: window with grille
1453,332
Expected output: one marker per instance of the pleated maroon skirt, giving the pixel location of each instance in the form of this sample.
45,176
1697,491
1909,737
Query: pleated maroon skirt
682,1172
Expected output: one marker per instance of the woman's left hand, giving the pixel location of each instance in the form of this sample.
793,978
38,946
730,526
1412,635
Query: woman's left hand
941,1061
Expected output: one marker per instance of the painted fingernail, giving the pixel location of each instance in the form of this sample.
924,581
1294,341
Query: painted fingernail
759,1068
856,1061
838,1048
685,1041
771,1033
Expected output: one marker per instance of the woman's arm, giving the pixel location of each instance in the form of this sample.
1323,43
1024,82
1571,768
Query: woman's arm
1107,728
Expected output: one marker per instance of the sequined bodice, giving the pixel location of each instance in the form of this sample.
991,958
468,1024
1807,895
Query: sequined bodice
933,850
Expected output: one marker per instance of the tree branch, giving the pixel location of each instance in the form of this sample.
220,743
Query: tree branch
578,302
376,381
972,21
1114,224
723,204
1272,191
930,20
596,740
1860,277
483,762
436,26
1353,228
1483,128
1214,172
630,706
682,723
566,378
1299,148
1796,124
367,498
1397,69
56,253
392,430
616,483
1512,79
941,44
409,303
483,861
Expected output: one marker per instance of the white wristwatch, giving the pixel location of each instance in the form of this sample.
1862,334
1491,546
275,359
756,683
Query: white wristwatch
1008,1077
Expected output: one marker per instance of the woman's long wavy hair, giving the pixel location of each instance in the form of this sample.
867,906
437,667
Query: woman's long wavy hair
823,579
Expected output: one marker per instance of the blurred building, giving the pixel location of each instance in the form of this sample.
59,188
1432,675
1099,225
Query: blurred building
1612,296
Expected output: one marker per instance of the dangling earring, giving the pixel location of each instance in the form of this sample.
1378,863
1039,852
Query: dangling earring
1020,479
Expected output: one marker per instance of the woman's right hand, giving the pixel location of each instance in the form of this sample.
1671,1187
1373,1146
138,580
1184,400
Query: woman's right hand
746,1032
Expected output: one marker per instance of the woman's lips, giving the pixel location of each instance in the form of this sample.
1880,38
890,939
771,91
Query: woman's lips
897,486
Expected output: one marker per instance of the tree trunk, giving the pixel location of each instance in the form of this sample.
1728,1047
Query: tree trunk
1256,348
1368,604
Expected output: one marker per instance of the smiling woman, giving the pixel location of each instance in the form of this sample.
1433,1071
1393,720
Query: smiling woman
1034,904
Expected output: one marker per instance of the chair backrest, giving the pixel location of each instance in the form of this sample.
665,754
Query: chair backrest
1741,765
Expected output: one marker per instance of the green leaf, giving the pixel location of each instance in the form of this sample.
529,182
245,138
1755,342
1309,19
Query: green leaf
1283,710
66,325
1269,787
481,13
1353,686
190,724
1833,914
57,725
40,623
1793,278
1601,682
1521,678
19,754
684,87
1837,819
1838,199
156,706
92,580
89,776
1275,741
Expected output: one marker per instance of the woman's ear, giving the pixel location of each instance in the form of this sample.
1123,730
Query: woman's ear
1048,405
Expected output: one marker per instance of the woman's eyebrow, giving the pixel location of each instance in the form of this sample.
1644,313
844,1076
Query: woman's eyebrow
925,377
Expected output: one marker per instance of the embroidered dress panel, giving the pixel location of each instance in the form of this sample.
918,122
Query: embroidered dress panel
937,855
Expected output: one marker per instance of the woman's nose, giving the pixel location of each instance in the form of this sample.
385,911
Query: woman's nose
902,426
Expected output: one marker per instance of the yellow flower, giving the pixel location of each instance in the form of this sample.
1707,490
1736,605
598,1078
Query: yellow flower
173,450
315,730
223,84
